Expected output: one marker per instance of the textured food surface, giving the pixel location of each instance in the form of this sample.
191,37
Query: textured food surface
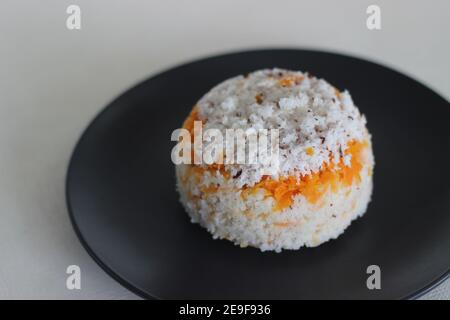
324,177
315,121
251,219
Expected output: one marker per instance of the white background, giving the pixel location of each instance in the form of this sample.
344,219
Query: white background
53,81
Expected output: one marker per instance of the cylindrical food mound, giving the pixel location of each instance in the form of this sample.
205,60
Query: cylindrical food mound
323,180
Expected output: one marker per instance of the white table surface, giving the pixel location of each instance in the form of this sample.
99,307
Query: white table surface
53,81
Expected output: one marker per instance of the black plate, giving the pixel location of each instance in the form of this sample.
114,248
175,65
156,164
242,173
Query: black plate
124,207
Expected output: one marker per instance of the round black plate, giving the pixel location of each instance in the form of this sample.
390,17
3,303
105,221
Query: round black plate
123,203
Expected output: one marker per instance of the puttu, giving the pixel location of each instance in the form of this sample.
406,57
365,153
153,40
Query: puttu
323,178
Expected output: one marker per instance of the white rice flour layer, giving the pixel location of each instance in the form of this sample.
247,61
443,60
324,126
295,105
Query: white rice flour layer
250,221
